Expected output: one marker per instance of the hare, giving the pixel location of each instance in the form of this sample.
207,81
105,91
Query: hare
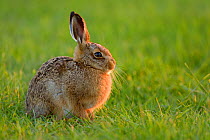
66,86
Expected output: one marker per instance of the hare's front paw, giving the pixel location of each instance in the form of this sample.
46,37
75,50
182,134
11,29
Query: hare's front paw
91,114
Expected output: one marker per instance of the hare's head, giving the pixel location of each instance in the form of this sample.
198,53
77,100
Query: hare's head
91,54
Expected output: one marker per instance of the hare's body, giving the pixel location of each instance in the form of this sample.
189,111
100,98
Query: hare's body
65,86
59,88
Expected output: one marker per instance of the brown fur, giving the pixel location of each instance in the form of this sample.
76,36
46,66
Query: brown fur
66,86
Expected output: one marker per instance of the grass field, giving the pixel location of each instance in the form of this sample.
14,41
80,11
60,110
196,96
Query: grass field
162,47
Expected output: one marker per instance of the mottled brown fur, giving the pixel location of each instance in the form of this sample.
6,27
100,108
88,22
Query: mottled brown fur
65,86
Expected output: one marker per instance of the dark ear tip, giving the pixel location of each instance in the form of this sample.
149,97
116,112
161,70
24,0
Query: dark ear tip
72,14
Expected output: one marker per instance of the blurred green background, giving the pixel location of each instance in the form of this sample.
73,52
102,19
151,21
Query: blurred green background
162,49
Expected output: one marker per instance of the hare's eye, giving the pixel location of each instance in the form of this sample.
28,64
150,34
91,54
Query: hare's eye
97,54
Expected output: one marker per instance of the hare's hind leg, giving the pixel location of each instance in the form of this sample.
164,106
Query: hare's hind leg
58,112
38,110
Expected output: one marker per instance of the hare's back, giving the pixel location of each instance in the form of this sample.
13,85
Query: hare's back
53,68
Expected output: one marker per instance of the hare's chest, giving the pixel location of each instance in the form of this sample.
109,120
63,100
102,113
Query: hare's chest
87,83
89,88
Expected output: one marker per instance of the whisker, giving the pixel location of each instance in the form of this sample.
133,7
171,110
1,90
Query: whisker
118,76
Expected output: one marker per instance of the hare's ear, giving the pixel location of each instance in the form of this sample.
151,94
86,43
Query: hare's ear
78,29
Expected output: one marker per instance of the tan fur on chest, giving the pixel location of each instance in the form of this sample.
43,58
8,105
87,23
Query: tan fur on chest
91,92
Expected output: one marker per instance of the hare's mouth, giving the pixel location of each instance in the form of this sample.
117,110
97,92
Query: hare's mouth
109,72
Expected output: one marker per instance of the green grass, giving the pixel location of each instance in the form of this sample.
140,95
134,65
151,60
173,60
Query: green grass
163,46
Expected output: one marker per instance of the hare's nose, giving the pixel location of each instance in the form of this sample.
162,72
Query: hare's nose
112,64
